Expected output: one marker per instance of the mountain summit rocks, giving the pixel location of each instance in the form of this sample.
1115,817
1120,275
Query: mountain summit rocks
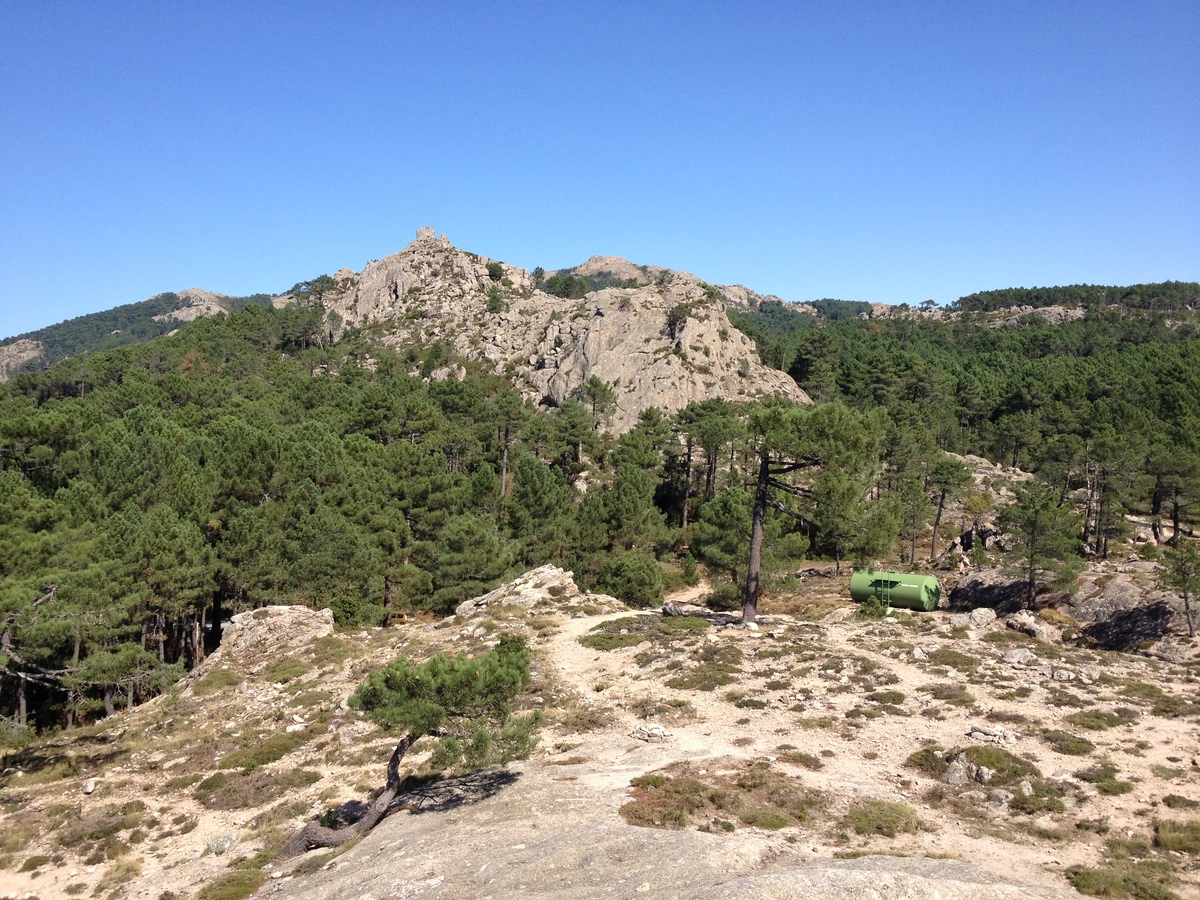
664,343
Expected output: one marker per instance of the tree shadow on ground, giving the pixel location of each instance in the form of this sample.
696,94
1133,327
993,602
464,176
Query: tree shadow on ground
430,795
1005,597
451,793
1129,628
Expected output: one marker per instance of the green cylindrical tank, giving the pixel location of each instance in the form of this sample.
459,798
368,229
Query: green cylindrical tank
897,589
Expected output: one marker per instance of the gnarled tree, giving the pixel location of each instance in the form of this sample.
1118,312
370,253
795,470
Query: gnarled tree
466,703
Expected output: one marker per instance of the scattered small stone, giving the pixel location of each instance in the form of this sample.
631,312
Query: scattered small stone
1020,657
981,617
89,787
653,734
222,842
991,734
956,772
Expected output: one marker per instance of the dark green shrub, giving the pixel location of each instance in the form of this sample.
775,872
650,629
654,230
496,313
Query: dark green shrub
468,703
1068,744
881,817
632,576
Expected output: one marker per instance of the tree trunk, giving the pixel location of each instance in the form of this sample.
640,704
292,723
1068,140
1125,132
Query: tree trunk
109,708
937,523
750,597
22,702
1156,505
314,836
504,465
687,482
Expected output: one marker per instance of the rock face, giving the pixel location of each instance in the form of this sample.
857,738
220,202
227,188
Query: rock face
544,585
661,344
991,588
529,840
16,354
255,638
195,303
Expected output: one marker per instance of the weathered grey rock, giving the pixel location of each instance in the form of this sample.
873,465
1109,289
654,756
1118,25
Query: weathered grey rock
664,343
651,734
267,633
958,771
1100,600
981,617
540,838
545,584
989,588
1027,623
222,842
992,734
16,354
1021,656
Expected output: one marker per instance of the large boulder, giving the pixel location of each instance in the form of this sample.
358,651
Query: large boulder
991,588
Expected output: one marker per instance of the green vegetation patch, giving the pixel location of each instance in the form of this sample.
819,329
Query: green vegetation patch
332,650
800,758
96,836
753,794
1007,769
952,659
276,747
234,885
952,694
882,817
716,666
287,669
214,681
630,631
1141,879
1181,836
1104,777
242,790
1175,801
1098,720
1067,744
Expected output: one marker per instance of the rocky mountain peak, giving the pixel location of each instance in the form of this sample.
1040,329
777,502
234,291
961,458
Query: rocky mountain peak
664,343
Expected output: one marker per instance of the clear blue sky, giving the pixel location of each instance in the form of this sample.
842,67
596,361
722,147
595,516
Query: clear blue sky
879,151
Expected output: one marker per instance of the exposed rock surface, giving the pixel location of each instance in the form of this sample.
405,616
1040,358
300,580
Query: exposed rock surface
663,344
260,636
16,354
196,303
535,839
1025,315
991,588
546,584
